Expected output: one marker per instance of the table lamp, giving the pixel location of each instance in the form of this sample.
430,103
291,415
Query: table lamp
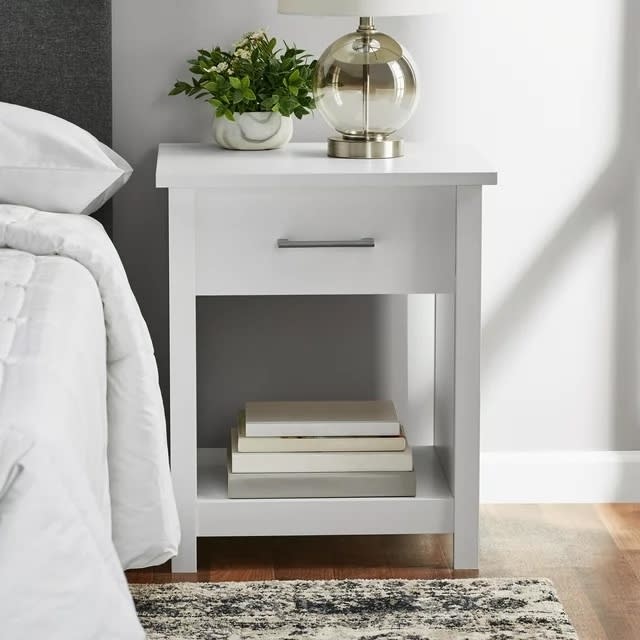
365,84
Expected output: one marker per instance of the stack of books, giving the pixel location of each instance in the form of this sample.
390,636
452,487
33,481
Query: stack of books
319,450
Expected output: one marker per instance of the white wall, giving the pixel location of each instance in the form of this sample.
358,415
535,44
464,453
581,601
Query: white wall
548,90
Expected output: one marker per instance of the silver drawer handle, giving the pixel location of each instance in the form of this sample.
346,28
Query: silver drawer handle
285,243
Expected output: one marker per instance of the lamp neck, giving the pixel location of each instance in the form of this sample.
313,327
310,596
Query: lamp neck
366,24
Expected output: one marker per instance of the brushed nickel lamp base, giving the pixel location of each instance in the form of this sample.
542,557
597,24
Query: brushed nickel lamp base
342,147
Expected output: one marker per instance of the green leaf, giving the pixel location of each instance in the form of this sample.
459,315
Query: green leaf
236,83
249,95
295,78
179,87
245,82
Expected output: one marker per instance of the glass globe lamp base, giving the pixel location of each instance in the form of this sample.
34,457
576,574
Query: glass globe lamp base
341,147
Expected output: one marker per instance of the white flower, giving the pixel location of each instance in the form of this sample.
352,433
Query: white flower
257,35
244,54
241,43
220,68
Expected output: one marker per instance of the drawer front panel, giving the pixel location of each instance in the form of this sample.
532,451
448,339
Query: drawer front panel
314,241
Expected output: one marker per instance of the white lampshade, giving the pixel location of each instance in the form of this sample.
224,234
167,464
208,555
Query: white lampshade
362,7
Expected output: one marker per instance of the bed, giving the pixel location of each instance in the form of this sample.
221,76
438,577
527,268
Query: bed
84,483
85,490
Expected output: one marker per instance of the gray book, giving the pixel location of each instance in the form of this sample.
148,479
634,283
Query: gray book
353,484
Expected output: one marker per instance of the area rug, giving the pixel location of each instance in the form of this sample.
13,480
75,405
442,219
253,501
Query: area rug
479,609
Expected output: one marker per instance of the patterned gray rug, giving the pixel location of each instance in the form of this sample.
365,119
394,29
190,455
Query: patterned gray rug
480,609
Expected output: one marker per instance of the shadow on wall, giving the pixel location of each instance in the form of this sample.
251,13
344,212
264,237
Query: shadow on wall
282,348
615,192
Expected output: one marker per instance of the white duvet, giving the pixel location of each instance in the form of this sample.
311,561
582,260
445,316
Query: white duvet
85,488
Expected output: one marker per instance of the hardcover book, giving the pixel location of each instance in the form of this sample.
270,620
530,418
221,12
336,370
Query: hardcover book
317,443
330,419
314,461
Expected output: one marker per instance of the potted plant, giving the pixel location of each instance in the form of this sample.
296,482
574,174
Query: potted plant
254,89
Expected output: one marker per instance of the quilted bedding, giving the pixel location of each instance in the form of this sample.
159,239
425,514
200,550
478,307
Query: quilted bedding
84,479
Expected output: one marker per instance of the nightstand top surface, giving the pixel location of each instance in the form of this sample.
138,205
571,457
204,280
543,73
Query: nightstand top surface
201,166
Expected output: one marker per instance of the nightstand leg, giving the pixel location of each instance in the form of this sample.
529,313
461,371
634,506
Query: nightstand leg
457,391
182,345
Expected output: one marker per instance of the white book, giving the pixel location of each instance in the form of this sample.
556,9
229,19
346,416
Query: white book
336,419
317,461
318,443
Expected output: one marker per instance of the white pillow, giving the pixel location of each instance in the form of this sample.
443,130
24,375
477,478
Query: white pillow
50,164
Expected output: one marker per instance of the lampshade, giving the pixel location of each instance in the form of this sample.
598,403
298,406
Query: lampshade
362,7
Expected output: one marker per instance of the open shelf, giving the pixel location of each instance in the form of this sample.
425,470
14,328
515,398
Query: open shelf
431,511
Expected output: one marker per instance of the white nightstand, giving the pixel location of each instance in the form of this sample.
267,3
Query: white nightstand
258,223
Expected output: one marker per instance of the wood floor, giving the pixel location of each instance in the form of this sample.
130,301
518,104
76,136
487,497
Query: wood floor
591,552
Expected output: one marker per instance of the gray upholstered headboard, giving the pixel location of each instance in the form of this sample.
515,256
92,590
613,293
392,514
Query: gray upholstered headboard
55,56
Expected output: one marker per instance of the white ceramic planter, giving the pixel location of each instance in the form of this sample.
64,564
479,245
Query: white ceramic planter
253,131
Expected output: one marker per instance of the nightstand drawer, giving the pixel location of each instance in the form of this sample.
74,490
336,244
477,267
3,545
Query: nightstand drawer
313,241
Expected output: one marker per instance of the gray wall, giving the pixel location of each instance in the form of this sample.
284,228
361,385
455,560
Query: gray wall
282,348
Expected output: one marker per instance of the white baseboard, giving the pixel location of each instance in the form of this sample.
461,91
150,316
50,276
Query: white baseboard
560,477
